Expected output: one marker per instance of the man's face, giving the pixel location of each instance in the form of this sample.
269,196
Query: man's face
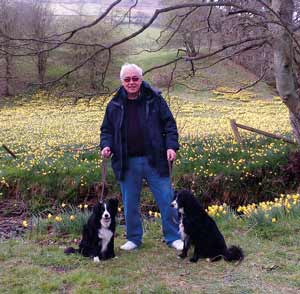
131,81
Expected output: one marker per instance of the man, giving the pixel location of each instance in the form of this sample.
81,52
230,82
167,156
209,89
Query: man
140,133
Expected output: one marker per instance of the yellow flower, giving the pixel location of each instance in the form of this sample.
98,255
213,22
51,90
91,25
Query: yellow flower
155,214
49,215
80,206
25,224
72,217
63,205
274,220
58,218
85,206
119,209
150,212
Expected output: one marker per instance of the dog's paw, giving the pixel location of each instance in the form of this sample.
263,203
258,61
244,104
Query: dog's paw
96,259
182,255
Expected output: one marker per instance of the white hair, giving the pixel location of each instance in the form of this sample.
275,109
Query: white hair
127,66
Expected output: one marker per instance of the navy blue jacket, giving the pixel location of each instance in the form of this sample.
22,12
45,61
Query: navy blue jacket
157,121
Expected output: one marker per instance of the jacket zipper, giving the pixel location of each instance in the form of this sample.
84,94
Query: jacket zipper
120,126
147,107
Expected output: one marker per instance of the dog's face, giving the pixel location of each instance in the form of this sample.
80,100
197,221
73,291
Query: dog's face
182,200
179,200
106,211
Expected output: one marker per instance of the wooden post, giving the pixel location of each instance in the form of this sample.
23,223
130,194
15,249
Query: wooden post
267,134
9,151
237,136
235,131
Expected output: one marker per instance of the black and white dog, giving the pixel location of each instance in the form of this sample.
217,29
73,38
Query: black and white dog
98,233
198,228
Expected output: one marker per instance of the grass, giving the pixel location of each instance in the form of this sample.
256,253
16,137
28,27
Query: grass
271,265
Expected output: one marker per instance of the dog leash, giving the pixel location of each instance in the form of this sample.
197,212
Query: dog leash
103,178
170,164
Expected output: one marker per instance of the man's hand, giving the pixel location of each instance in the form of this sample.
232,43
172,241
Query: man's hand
105,152
171,155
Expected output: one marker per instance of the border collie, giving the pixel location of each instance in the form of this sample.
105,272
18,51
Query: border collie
198,228
98,233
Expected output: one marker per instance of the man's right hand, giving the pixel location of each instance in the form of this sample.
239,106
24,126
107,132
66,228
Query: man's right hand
105,152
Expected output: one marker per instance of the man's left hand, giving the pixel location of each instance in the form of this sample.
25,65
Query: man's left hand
171,154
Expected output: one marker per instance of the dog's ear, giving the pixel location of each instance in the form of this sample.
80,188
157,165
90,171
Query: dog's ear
113,203
97,206
175,194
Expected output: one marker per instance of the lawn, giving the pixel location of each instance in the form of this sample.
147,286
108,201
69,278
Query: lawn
38,265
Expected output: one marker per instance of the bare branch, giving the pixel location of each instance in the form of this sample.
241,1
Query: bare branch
208,21
249,85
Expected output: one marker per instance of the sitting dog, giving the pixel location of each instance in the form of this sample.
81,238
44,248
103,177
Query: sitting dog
98,233
198,228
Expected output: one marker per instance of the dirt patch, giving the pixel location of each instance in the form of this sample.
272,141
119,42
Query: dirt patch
12,214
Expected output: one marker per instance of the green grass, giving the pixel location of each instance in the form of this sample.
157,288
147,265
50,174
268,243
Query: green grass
271,265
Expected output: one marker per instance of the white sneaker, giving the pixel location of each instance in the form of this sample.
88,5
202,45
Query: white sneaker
128,246
177,244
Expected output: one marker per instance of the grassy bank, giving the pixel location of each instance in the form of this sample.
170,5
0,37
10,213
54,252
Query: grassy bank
35,265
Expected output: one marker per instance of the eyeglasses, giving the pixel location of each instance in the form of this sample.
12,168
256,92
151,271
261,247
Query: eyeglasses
128,79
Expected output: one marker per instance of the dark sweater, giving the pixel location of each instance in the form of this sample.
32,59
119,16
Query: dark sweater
135,139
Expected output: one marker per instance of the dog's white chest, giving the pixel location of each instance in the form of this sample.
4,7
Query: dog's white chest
105,235
181,230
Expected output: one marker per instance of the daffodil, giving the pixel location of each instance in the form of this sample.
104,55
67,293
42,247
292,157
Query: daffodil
58,218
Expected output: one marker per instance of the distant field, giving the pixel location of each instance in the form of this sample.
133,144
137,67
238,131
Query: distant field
87,8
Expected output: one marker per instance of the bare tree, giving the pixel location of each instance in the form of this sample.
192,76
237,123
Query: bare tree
266,27
8,14
39,19
284,59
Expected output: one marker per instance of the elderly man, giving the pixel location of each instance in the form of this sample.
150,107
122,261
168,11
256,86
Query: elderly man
140,133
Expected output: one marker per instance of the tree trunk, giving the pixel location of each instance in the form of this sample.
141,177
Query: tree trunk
189,44
42,66
285,77
8,75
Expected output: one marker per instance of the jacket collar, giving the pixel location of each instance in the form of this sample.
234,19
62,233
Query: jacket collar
147,93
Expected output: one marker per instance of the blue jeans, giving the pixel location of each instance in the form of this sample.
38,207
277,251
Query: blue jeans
131,186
